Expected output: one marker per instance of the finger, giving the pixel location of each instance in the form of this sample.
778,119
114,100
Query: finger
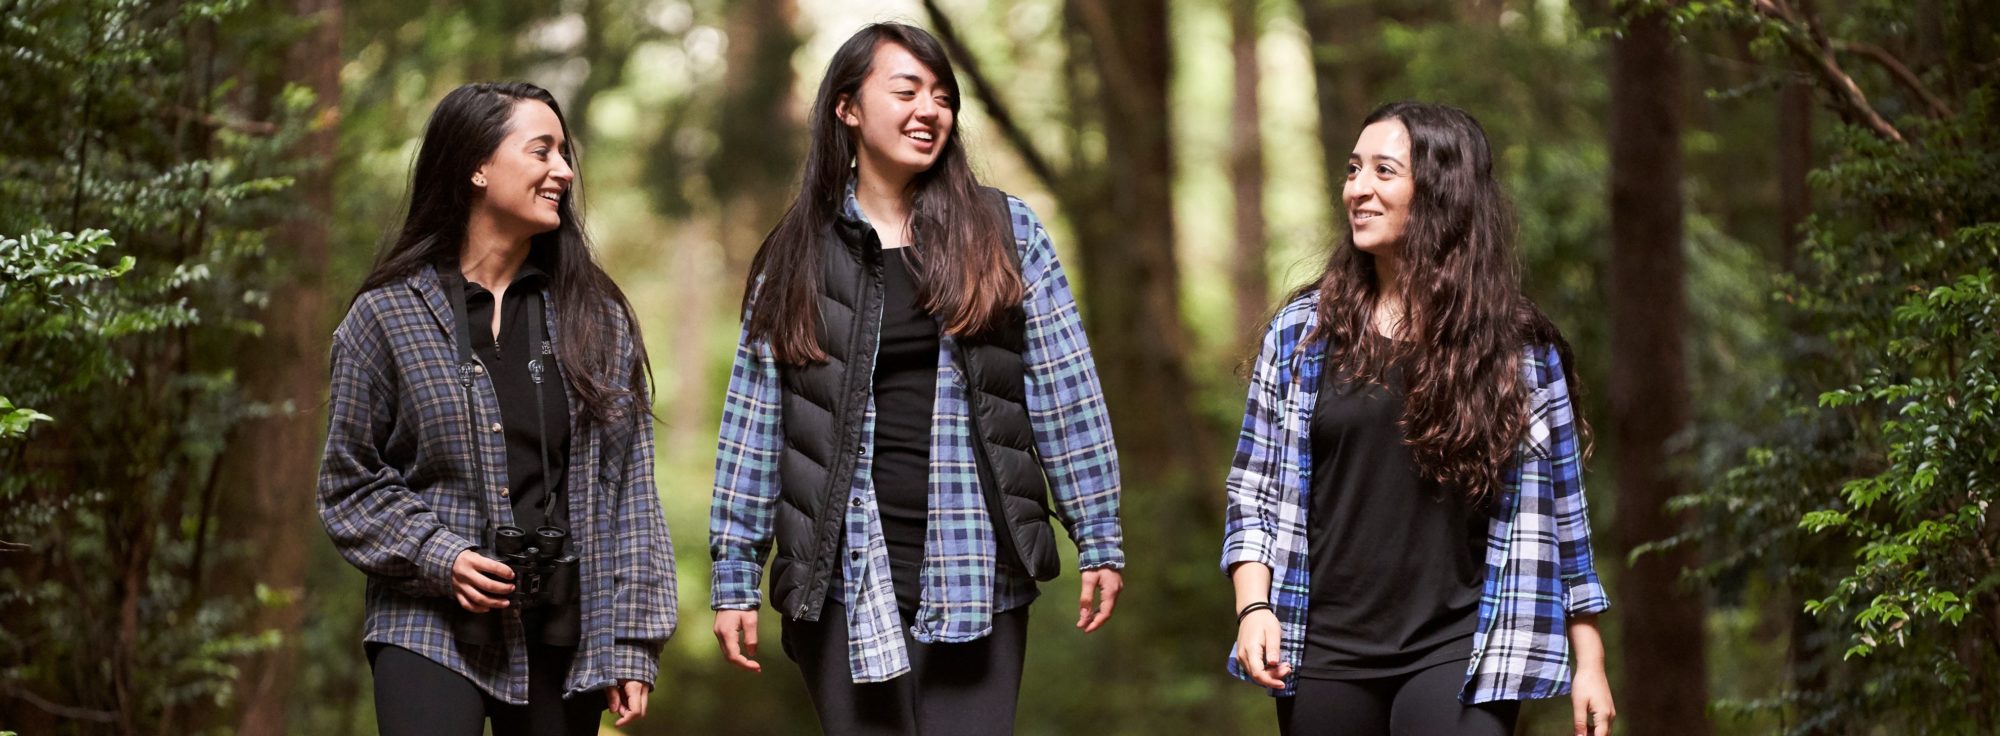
750,638
1580,715
638,697
615,698
489,585
1085,592
625,714
491,566
1604,723
1107,600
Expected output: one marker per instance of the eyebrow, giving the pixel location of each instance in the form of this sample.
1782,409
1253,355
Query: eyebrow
548,138
1379,157
919,81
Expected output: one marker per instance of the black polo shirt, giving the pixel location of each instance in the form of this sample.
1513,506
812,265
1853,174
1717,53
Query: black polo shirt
506,358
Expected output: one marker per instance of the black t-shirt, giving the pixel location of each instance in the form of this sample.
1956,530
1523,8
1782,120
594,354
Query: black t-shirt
906,365
506,363
1396,561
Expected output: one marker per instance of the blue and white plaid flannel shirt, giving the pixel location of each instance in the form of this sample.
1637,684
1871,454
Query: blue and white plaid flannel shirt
1538,560
962,583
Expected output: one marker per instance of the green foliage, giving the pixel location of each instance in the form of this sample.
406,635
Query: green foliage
142,155
1868,491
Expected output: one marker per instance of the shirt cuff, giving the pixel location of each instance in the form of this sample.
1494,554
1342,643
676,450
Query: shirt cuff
1099,545
635,659
733,585
435,558
1246,545
1583,595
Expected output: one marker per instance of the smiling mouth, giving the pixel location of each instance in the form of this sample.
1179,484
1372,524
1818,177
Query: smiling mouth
921,136
552,197
1363,216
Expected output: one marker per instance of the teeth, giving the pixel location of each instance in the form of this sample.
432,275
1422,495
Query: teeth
552,196
922,136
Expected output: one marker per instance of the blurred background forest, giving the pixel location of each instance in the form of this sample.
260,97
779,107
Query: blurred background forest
1771,229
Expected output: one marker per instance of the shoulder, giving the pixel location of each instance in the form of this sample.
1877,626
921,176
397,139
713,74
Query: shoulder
1022,221
1294,318
1542,365
369,317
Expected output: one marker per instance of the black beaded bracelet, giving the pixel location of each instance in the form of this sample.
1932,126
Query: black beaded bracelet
1253,608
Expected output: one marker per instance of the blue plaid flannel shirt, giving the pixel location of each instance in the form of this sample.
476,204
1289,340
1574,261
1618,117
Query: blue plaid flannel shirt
1538,561
962,584
398,496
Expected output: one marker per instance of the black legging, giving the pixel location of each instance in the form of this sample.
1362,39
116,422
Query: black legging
967,689
417,697
1420,703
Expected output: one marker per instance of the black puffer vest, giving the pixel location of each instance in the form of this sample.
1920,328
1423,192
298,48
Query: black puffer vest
825,403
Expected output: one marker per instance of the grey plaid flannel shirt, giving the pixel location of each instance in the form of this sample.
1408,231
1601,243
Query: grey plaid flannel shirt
398,495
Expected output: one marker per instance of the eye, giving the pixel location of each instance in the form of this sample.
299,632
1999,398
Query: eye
944,100
907,94
1352,169
542,153
1385,171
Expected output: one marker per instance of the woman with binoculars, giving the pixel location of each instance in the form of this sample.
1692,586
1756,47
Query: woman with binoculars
489,459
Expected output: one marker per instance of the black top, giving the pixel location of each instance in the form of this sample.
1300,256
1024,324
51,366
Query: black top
506,361
1396,560
906,366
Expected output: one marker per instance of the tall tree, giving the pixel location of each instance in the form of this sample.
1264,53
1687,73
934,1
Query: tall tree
271,467
1246,171
1666,685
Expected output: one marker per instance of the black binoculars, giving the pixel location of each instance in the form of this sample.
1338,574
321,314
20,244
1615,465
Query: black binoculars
545,580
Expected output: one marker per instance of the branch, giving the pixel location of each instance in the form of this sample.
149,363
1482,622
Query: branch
1898,70
996,108
57,709
1805,40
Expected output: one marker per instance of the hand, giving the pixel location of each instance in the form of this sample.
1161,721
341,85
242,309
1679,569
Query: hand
480,582
730,624
1103,583
628,700
1259,649
1590,696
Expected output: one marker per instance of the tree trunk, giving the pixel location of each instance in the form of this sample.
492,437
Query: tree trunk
271,469
1246,175
1665,691
1125,234
1795,147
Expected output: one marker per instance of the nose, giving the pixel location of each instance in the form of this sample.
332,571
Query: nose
1355,190
927,108
563,172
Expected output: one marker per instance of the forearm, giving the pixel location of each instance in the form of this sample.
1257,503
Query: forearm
1586,643
1252,581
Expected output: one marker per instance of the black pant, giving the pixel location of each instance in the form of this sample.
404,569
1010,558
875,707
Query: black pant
1419,703
964,689
417,697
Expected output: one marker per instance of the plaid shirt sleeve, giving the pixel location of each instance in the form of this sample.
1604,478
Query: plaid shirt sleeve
1066,403
744,508
373,518
1253,485
1583,595
646,601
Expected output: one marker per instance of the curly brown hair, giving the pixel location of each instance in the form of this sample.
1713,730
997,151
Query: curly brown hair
1465,320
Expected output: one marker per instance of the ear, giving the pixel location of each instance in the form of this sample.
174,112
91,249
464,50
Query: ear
846,114
479,178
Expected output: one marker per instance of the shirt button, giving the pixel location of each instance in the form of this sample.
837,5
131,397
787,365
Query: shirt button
495,427
503,492
854,555
478,370
856,503
861,448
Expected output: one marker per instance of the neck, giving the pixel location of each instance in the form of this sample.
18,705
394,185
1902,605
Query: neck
1388,295
491,255
882,196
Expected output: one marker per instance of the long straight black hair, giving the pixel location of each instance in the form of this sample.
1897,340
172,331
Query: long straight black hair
464,131
965,274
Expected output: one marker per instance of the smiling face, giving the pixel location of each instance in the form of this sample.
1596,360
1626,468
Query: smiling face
901,116
1379,188
525,180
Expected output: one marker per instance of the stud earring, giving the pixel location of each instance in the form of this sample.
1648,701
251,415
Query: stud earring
478,181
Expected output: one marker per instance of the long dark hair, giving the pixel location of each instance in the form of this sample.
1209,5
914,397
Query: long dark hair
965,274
464,131
1465,319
